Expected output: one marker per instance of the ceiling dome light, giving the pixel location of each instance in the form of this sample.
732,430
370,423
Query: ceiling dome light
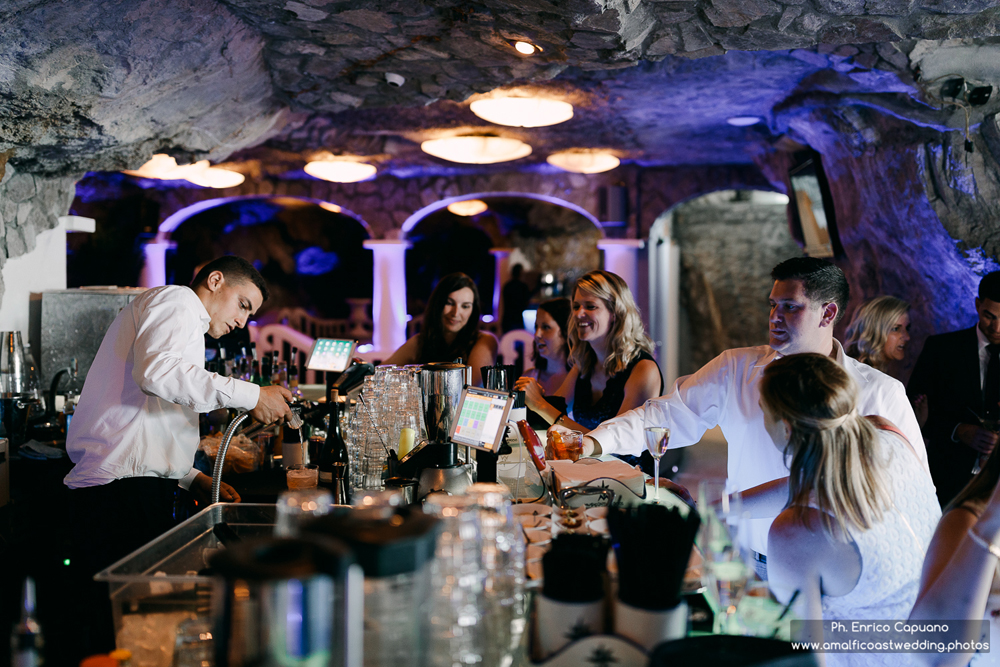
214,177
332,208
527,48
468,208
744,121
476,149
584,162
165,168
340,171
522,111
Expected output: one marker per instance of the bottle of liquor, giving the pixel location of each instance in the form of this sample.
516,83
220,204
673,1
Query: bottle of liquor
224,364
293,374
265,370
26,637
334,460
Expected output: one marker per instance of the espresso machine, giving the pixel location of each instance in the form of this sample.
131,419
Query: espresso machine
434,461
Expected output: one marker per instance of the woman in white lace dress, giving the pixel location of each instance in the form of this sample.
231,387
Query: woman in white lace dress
861,507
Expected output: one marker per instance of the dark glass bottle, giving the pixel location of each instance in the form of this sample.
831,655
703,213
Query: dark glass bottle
265,371
26,638
334,461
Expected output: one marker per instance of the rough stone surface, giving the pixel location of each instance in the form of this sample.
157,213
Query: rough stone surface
736,13
29,205
728,249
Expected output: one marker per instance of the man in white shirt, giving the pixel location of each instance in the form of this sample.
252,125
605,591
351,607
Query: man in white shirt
807,300
135,431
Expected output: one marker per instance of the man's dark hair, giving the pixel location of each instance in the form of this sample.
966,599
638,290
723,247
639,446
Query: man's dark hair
989,287
235,270
824,282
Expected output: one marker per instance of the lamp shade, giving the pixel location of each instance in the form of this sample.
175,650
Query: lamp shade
164,167
522,111
584,162
340,171
476,149
468,208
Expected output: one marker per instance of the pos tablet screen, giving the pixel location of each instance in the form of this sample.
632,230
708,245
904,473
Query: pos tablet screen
481,419
330,355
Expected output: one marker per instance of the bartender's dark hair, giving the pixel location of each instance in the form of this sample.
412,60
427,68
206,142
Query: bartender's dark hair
824,282
431,345
235,270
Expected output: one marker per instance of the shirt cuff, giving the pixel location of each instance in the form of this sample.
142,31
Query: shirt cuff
245,395
185,481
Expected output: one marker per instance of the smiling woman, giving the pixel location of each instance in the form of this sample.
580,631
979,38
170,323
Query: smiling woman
451,329
879,332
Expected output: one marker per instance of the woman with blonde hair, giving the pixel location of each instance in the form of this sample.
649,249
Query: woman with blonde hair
861,507
613,367
879,332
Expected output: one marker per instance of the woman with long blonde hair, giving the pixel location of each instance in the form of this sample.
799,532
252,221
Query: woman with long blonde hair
861,507
879,331
613,368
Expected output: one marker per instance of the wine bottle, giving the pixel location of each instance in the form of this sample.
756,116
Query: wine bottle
334,460
265,371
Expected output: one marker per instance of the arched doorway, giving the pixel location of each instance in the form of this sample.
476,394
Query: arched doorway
553,240
710,261
310,252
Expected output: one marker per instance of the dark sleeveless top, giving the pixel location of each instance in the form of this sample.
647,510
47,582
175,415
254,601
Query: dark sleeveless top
590,415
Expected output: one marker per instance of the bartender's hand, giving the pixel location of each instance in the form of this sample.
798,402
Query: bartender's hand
533,393
201,489
272,405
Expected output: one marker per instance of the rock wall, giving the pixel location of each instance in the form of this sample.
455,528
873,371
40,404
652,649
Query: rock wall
29,205
728,248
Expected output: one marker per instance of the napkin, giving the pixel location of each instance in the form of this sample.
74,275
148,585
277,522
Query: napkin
36,450
586,471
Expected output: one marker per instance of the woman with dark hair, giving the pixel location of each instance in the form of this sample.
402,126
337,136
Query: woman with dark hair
861,507
550,353
613,367
451,329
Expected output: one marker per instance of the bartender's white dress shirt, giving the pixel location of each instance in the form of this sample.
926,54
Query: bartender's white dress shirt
726,392
138,411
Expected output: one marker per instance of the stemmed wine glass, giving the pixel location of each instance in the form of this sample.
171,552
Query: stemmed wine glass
723,528
656,422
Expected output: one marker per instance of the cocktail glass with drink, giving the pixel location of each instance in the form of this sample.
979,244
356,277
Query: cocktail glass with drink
567,444
656,423
302,476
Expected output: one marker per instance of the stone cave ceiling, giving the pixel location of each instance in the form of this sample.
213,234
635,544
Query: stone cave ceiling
269,84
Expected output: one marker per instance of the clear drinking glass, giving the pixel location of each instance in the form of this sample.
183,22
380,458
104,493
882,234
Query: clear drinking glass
300,506
656,422
725,570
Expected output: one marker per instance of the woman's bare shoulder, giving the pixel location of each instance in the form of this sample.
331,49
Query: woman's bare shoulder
486,338
405,353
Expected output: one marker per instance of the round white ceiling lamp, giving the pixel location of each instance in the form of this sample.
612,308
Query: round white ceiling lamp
522,111
340,171
744,121
165,168
526,48
476,149
584,162
468,208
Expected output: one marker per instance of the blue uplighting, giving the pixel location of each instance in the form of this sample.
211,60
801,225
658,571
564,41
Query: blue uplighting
315,261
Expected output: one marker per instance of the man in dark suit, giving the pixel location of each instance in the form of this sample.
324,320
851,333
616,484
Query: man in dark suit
959,372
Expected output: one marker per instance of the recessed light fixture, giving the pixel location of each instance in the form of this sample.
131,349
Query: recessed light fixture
527,48
468,208
522,111
744,121
340,171
165,168
476,149
584,162
332,208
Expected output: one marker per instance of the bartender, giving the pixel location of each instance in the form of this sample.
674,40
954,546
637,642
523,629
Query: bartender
135,432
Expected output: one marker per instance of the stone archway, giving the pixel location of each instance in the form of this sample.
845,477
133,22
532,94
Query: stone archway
545,234
302,246
710,259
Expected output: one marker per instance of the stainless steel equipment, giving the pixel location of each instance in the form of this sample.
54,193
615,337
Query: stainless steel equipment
15,396
282,601
435,462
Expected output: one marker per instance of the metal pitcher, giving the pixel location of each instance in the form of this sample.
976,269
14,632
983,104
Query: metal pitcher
441,386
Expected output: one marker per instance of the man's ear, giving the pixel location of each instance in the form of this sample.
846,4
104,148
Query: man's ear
830,311
214,281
